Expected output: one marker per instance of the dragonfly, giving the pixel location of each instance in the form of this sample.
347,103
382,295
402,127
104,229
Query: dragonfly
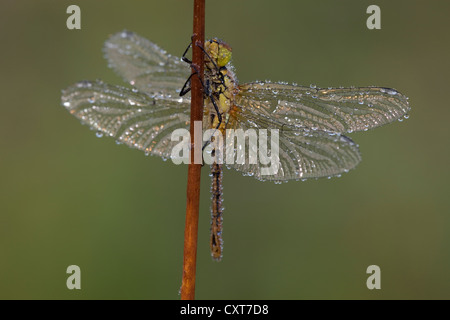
312,121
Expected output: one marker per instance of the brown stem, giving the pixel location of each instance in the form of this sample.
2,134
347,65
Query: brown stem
194,170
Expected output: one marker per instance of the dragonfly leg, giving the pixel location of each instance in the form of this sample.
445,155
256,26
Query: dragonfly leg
219,115
187,85
183,57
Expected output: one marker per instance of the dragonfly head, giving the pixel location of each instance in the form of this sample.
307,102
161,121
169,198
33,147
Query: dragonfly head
218,51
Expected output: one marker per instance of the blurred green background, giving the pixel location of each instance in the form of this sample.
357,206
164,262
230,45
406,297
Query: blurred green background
68,197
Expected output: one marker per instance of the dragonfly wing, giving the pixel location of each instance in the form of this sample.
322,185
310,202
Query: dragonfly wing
145,65
304,155
131,117
336,110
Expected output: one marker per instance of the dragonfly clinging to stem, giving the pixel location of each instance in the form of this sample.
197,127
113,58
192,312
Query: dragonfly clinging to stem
312,121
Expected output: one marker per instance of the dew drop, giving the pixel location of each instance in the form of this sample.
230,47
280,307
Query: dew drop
84,84
99,134
126,34
392,92
66,104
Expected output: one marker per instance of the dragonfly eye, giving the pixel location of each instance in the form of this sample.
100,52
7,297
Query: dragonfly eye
224,56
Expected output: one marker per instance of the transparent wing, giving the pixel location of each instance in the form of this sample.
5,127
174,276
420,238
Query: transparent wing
336,110
131,117
303,154
145,65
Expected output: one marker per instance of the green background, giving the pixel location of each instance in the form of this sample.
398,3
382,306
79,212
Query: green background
67,197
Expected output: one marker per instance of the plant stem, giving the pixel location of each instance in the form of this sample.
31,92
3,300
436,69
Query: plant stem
194,170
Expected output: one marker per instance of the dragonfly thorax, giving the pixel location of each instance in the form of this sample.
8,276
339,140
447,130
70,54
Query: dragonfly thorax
221,83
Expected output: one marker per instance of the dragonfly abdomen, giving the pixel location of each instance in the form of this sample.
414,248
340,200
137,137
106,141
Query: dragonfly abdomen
216,241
